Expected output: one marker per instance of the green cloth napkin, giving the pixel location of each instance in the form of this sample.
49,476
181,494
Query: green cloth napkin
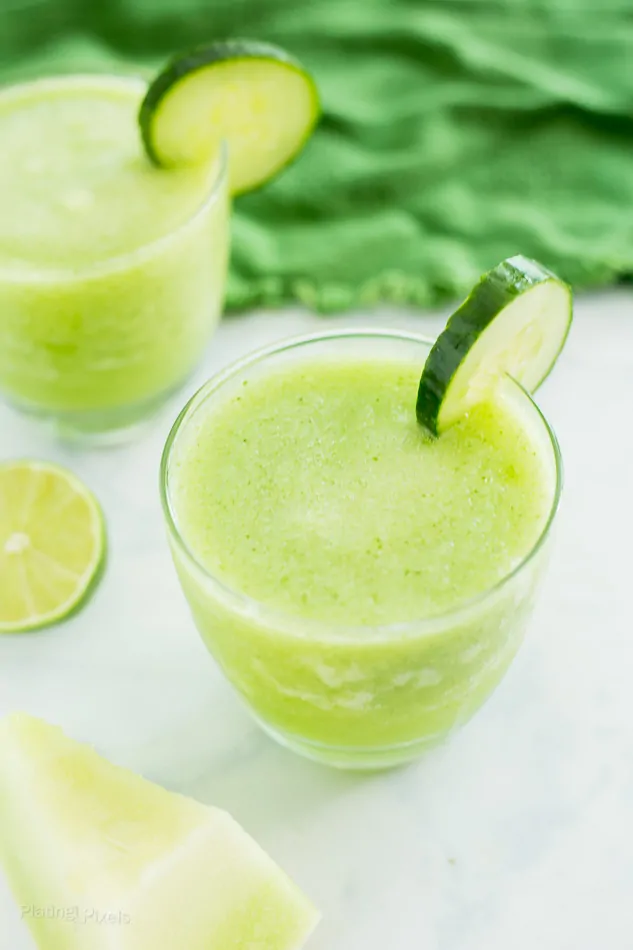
455,133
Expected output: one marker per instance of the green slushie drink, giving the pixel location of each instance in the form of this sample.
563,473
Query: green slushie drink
363,582
114,233
112,271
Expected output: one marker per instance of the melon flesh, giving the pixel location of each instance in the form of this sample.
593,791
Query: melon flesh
101,859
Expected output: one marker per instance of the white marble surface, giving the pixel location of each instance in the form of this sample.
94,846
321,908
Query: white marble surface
519,834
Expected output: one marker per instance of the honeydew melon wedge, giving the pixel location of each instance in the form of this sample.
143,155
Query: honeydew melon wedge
101,859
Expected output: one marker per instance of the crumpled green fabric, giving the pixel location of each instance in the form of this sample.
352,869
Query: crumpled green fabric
455,133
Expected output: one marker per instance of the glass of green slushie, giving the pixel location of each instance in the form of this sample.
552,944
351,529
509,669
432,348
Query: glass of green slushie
363,586
112,271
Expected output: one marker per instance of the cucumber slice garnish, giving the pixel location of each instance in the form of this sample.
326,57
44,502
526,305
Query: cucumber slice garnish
252,95
515,322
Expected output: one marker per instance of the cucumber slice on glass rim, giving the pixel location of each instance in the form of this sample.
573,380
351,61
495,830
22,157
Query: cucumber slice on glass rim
252,95
514,322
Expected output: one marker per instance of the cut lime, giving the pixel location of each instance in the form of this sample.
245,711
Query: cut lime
254,96
124,864
52,543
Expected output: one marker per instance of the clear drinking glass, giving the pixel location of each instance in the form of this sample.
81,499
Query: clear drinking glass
98,347
358,697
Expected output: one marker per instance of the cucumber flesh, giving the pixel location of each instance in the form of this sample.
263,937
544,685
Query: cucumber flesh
514,322
253,96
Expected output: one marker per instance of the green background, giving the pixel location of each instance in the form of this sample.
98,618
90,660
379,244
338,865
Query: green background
455,133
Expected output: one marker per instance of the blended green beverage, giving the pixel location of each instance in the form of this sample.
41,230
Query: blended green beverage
363,584
112,271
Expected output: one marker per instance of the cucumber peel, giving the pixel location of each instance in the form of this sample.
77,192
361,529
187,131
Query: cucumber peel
514,322
251,95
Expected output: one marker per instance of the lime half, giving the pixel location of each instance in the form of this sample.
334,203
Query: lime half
52,543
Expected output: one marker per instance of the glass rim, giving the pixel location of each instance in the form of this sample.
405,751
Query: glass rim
294,624
34,274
